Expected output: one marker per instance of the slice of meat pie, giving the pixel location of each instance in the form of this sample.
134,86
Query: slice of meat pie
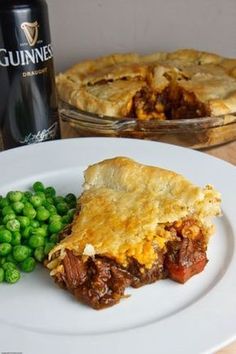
135,224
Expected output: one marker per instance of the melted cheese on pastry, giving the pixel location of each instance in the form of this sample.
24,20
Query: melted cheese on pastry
125,206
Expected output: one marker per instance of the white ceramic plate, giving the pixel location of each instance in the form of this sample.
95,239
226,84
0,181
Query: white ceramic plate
37,317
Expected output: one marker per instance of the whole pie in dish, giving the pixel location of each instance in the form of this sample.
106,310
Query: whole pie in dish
135,224
181,84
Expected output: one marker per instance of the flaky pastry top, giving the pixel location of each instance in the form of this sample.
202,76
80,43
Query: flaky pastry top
125,207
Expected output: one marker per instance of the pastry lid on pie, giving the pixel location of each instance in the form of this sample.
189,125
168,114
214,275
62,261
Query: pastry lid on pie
181,84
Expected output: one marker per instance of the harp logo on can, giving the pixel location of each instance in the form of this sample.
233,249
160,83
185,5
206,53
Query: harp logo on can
31,32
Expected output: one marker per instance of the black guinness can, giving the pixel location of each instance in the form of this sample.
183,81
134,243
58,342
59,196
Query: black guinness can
28,103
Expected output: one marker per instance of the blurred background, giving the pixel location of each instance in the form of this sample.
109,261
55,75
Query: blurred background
87,28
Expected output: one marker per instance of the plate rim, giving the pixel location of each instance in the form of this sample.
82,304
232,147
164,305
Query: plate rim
134,337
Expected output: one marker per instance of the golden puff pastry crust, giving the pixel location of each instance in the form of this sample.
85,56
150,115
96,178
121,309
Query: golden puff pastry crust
182,84
126,206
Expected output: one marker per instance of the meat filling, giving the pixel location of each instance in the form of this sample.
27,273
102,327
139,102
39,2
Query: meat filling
100,282
172,103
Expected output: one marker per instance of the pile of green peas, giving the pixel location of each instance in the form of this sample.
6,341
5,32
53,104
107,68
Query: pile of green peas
30,223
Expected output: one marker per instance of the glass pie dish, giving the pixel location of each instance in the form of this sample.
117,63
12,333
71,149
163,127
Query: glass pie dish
196,133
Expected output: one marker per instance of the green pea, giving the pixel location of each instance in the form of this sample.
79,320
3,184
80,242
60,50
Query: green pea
40,231
12,276
48,246
5,236
24,199
50,192
42,214
50,200
59,199
36,200
62,208
34,223
2,260
27,232
28,195
71,212
16,238
4,202
54,218
9,265
55,227
45,227
13,225
54,238
31,251
14,196
52,209
10,258
30,212
7,218
27,204
5,248
24,221
46,204
18,207
66,219
28,265
36,241
41,195
1,275
72,205
7,210
71,199
38,187
20,253
39,253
